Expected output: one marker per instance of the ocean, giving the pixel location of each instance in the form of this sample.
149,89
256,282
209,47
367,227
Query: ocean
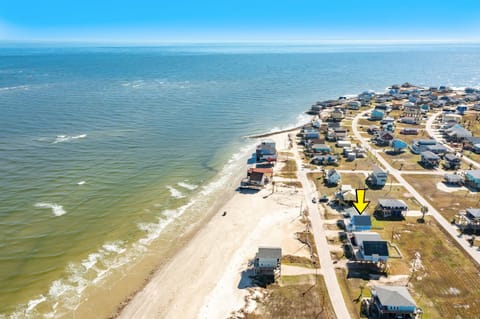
102,149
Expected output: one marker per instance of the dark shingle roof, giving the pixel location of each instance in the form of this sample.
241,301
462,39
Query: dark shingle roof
430,156
397,203
375,247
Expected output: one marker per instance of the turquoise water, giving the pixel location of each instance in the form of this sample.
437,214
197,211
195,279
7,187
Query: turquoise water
100,147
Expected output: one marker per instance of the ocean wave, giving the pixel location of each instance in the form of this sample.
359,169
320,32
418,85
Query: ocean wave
67,138
187,186
18,87
175,193
156,84
56,209
81,183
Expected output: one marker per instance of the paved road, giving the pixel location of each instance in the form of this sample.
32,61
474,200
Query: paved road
450,229
321,243
437,136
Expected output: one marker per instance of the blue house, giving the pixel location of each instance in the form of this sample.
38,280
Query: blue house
310,133
392,302
321,148
332,177
398,145
376,115
472,179
359,223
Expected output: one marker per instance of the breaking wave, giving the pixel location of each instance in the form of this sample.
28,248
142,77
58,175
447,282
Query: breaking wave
175,193
187,186
67,138
56,209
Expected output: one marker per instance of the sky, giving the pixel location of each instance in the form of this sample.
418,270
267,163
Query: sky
239,20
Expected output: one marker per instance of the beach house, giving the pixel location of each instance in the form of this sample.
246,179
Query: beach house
457,133
369,246
266,151
453,179
357,223
391,208
337,114
376,115
320,149
451,161
470,219
388,302
421,145
267,261
377,178
472,179
429,159
398,146
324,160
332,177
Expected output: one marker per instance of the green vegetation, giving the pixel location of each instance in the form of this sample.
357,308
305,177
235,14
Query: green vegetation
295,297
289,170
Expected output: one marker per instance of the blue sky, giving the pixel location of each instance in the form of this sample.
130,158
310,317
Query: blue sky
238,20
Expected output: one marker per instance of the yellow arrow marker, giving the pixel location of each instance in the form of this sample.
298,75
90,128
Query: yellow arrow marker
360,205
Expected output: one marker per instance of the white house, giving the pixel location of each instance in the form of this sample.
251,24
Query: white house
267,261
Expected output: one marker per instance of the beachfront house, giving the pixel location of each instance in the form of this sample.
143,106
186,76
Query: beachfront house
266,151
429,159
388,302
391,208
451,161
267,261
398,146
354,105
254,180
358,223
369,246
310,133
377,178
337,115
472,179
332,177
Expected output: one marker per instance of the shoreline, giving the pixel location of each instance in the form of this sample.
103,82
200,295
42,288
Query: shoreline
177,281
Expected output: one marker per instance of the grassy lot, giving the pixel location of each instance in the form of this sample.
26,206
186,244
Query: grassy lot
406,161
471,122
372,195
446,286
289,169
295,297
447,204
351,290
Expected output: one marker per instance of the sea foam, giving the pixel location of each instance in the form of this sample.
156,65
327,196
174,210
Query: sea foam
67,138
187,186
56,209
175,193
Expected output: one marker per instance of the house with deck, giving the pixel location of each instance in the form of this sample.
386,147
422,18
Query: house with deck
369,247
392,302
325,160
451,161
320,149
267,261
422,145
453,179
391,208
266,151
376,115
398,146
472,179
378,177
470,219
429,159
457,133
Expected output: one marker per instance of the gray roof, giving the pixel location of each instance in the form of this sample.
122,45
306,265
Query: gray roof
360,237
474,173
376,170
397,203
397,296
451,157
430,155
475,212
454,177
269,252
437,148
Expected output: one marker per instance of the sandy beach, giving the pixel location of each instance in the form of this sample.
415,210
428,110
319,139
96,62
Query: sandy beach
204,279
